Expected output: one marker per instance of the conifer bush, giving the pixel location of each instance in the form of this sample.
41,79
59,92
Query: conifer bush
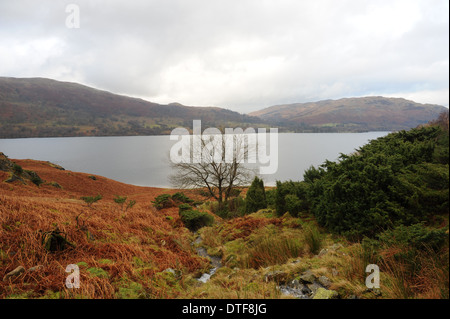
256,196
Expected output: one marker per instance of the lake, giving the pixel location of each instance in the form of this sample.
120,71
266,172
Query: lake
144,160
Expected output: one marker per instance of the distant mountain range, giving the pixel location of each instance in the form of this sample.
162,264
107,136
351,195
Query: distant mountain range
38,107
365,113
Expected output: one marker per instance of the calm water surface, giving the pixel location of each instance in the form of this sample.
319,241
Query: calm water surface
144,160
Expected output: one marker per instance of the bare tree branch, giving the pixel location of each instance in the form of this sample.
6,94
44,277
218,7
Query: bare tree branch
218,171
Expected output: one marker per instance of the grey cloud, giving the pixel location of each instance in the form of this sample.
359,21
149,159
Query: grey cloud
243,55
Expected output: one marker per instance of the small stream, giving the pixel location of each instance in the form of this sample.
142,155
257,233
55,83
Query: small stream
294,288
216,262
297,291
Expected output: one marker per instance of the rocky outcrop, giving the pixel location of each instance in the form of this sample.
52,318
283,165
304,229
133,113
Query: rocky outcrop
305,286
5,164
308,277
16,171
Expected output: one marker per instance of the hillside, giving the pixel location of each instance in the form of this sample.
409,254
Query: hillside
387,205
37,107
353,114
116,249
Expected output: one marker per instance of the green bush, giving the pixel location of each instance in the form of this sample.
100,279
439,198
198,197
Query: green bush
416,236
34,178
293,204
163,201
17,169
291,197
234,207
120,199
270,198
194,220
393,180
184,207
89,200
180,197
256,196
122,202
219,210
414,257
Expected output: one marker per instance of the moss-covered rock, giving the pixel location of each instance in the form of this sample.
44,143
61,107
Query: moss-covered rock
323,293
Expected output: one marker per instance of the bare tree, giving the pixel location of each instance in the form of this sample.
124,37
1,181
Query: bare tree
216,162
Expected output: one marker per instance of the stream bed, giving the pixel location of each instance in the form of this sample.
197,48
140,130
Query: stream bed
216,262
295,288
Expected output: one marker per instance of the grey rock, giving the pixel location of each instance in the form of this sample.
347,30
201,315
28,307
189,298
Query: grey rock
308,277
305,290
314,287
296,284
14,178
324,281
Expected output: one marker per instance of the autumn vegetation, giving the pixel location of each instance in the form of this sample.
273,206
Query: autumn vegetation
386,204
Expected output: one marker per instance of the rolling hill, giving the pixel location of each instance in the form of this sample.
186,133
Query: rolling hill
353,114
38,107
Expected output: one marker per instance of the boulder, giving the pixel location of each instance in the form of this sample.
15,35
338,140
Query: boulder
308,277
323,293
324,281
14,178
314,287
305,290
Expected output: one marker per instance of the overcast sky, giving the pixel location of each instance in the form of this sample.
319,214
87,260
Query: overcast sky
242,55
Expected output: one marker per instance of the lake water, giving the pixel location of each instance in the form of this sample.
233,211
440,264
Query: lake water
144,160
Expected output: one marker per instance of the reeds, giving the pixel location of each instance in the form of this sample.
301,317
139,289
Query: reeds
270,250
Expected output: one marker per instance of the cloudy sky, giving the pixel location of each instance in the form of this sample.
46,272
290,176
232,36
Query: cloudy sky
242,55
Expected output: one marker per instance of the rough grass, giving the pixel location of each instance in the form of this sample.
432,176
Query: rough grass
116,239
127,253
